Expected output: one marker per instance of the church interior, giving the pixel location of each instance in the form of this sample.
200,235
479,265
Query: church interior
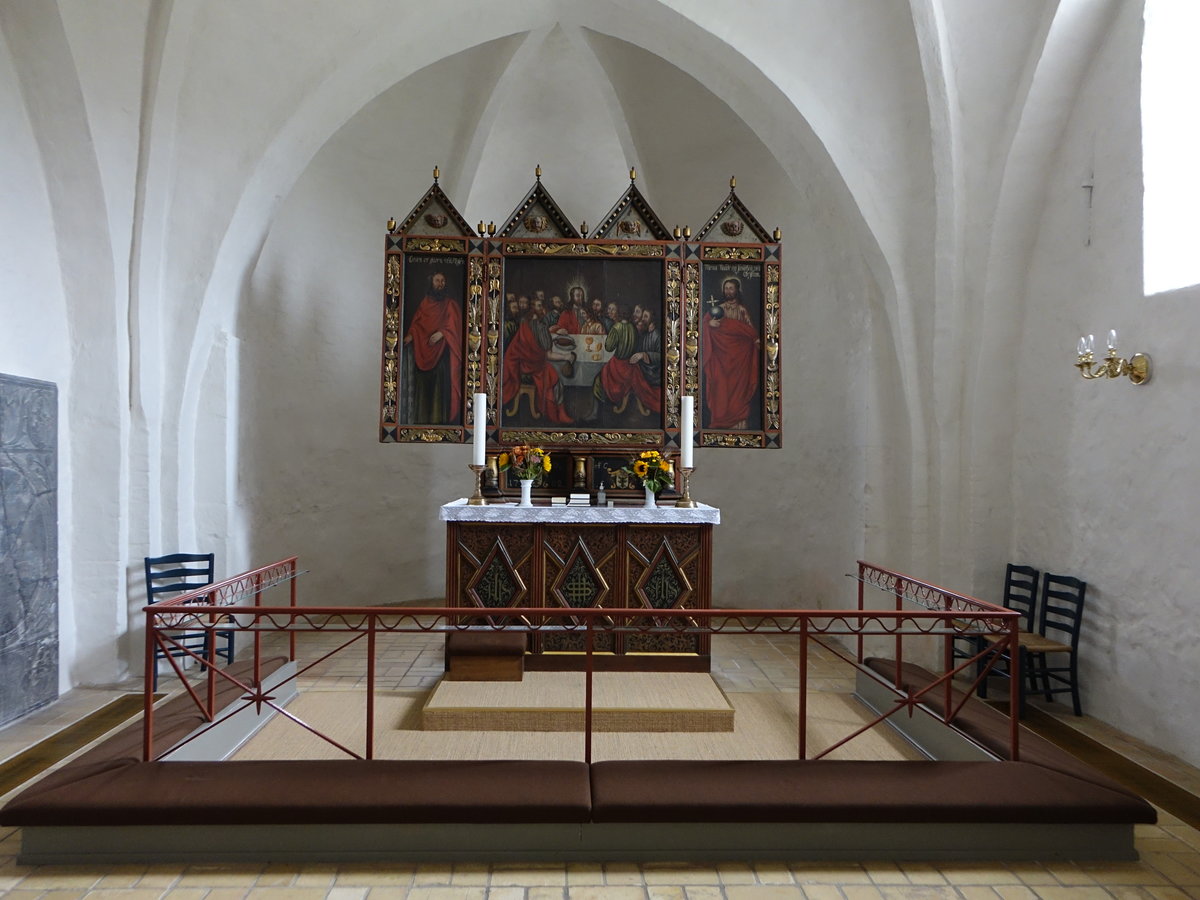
960,188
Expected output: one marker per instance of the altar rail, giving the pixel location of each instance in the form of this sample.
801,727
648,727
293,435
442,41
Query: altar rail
236,604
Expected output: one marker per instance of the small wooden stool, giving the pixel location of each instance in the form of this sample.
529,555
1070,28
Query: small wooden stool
485,656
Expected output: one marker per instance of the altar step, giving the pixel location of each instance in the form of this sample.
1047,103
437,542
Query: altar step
554,701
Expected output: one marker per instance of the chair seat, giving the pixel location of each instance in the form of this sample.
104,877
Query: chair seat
1031,643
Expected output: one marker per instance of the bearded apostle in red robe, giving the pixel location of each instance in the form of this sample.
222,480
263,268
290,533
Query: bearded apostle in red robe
730,344
435,341
526,359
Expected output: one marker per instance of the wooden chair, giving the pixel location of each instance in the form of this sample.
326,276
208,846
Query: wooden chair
1020,594
178,573
1057,635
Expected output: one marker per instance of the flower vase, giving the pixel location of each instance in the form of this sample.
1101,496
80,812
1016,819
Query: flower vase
651,500
526,487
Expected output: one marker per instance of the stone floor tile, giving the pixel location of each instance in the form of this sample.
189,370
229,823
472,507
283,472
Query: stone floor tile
228,892
50,878
24,895
622,873
1124,873
1170,893
1072,892
529,875
605,892
276,875
1173,868
703,892
918,892
736,873
506,893
665,892
979,892
118,877
546,893
1016,892
470,875
447,893
887,873
1185,833
679,873
286,893
387,893
321,876
822,892
346,893
216,876
582,874
388,875
185,894
773,873
1069,874
764,892
977,873
922,873
807,873
862,892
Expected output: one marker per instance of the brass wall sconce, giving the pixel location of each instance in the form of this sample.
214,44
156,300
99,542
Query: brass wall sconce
1136,368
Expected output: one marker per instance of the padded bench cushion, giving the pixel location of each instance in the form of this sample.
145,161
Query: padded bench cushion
851,791
342,791
485,643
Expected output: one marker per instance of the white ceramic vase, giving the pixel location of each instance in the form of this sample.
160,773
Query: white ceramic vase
651,500
526,487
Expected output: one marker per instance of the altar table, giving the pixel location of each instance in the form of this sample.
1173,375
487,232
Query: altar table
627,556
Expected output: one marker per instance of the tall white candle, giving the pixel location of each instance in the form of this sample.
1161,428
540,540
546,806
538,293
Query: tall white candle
687,413
480,428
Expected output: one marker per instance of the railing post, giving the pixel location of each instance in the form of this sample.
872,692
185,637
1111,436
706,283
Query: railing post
1014,689
292,603
589,645
210,657
370,746
899,654
861,640
148,691
803,737
257,634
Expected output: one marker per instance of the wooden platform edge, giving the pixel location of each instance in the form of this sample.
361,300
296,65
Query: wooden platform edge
678,842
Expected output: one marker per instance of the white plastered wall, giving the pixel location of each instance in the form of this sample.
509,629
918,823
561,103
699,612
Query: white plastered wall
214,328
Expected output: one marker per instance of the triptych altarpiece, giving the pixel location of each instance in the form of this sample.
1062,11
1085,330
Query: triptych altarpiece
584,343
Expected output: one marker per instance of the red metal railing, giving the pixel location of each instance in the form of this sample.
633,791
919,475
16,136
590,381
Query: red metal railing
945,614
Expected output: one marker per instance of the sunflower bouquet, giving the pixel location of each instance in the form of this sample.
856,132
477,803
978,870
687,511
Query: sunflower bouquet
653,469
525,461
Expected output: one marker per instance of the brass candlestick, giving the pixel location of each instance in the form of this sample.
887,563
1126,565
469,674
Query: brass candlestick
476,499
686,501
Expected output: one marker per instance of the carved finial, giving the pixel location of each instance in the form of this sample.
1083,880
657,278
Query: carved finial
391,225
436,174
633,173
732,182
491,228
778,235
538,172
479,228
687,231
583,228
678,232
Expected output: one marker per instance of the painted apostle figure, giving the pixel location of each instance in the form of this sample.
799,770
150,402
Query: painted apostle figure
730,347
435,339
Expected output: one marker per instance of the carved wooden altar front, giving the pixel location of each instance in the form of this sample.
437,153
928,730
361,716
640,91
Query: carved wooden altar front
502,557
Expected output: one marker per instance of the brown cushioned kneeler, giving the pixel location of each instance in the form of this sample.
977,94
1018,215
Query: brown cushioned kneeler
851,791
260,792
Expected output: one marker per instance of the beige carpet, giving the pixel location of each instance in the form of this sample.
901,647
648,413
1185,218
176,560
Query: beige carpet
765,726
553,701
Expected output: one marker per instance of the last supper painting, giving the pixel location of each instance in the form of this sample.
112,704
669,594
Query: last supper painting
582,344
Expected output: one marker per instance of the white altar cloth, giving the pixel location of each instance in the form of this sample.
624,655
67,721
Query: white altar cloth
459,511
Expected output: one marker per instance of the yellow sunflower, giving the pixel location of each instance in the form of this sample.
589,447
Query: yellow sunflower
640,468
546,463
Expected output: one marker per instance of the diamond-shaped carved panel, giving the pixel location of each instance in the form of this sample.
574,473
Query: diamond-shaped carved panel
580,583
663,584
496,584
